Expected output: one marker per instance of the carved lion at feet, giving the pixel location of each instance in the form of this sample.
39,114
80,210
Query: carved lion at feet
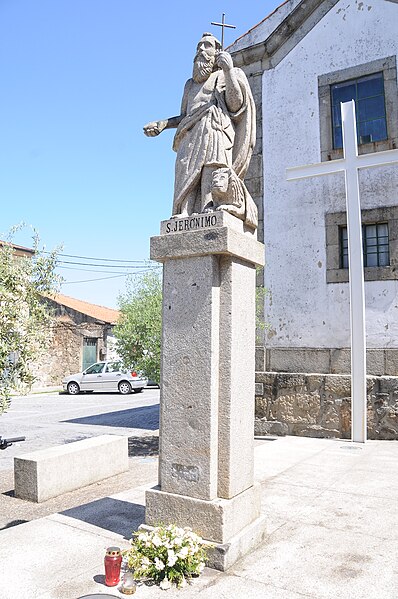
229,193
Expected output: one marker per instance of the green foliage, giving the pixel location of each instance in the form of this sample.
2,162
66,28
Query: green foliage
167,554
139,329
261,294
25,321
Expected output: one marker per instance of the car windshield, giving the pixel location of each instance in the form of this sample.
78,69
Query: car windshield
95,368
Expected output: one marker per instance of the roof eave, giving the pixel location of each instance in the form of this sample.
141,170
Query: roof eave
291,25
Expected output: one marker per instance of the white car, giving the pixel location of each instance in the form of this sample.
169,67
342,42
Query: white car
105,376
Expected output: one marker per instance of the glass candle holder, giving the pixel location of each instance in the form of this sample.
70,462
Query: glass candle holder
129,585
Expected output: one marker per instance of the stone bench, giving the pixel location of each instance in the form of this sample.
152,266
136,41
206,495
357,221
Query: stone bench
47,473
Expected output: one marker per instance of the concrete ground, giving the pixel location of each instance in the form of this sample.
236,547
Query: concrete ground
332,512
53,419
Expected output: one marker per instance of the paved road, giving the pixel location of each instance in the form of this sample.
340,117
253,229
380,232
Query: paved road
54,419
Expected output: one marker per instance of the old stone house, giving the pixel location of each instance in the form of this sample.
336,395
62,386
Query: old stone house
81,335
302,61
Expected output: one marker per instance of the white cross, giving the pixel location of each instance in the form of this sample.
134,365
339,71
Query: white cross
350,165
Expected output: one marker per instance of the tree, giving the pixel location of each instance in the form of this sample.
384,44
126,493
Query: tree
139,329
261,294
25,319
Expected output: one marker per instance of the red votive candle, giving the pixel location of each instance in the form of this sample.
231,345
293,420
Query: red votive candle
113,562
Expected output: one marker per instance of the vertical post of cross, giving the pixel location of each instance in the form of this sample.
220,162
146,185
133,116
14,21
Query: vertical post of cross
356,276
350,165
223,25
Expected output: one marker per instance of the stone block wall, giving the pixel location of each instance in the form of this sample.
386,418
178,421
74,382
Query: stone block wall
379,362
64,354
319,405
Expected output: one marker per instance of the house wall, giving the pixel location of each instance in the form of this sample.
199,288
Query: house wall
65,352
303,311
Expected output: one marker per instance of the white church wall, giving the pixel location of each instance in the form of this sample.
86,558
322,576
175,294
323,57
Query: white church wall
303,311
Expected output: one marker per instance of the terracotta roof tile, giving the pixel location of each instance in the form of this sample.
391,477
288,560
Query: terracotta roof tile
99,312
19,249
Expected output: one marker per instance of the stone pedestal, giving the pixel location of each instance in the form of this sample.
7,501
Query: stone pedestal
207,383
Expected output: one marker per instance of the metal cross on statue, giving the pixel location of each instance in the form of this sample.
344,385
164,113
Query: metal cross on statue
223,25
350,165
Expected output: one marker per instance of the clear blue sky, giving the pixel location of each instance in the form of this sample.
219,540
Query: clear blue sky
79,79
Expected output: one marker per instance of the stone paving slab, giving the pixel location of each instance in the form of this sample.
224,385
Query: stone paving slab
322,562
333,540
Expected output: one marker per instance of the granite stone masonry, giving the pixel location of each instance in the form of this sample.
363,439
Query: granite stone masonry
206,406
210,252
46,473
319,405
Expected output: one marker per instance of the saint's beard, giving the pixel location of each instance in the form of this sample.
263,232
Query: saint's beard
202,67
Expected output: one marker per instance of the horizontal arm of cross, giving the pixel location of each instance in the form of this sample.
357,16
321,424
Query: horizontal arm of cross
224,25
378,159
314,170
336,166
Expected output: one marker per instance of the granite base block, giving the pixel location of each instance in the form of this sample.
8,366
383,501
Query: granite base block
222,556
218,520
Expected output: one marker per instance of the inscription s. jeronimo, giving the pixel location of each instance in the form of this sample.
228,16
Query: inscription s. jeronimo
189,224
189,473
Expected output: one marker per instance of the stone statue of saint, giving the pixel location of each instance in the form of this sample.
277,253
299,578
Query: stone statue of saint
216,127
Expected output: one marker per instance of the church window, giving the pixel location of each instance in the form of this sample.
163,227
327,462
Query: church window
368,94
379,239
374,88
375,245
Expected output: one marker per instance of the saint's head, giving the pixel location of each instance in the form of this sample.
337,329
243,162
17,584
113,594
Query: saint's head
205,59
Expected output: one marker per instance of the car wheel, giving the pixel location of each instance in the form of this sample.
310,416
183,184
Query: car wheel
73,388
124,387
140,390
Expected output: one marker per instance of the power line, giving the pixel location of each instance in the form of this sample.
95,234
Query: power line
156,266
105,278
101,259
91,280
103,272
102,265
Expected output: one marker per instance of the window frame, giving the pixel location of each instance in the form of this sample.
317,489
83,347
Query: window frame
388,67
343,245
359,121
334,221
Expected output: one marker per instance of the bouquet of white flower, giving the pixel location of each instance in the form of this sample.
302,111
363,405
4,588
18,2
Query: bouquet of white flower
167,555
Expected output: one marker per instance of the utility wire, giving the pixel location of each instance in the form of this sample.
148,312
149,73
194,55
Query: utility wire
101,259
100,272
91,280
106,271
105,278
103,265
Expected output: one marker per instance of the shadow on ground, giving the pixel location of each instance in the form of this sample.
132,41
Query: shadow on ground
146,417
13,523
115,515
143,446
